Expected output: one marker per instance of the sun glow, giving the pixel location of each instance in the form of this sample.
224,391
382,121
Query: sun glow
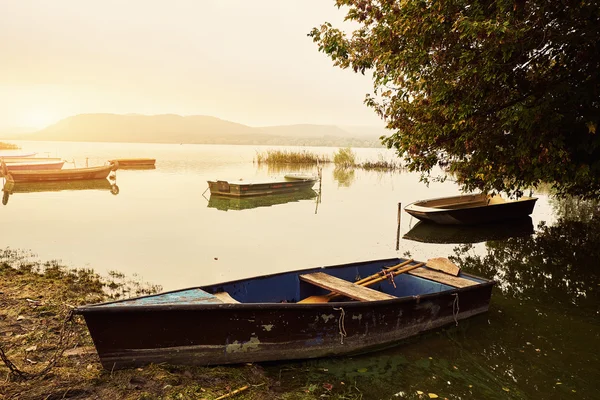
38,119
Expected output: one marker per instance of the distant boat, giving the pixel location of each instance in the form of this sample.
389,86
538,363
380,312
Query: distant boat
35,165
30,159
290,183
301,314
134,162
470,209
428,232
10,188
11,154
58,175
244,203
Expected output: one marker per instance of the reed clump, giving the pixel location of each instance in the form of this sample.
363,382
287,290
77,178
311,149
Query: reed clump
381,165
9,146
271,157
344,158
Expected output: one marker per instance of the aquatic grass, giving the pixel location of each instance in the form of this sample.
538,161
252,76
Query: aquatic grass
381,165
271,157
344,158
9,146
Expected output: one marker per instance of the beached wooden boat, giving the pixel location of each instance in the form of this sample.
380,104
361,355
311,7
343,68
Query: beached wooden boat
244,203
134,162
470,209
35,165
429,232
241,188
57,175
290,315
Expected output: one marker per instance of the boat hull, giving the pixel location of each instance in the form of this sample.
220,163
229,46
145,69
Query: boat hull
476,214
59,175
222,333
241,189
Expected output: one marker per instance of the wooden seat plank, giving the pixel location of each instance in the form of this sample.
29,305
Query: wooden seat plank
225,298
345,288
442,277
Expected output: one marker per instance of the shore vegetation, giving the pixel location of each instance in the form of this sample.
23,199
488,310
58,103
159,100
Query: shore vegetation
46,355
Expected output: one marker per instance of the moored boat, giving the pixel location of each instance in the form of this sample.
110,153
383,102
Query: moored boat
241,188
35,165
14,153
57,175
30,159
308,313
470,209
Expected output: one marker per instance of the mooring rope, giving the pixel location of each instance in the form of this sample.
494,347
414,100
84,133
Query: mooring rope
455,308
63,342
341,324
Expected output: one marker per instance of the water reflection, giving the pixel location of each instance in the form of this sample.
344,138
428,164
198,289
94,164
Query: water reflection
10,188
137,167
344,176
540,338
241,203
427,232
560,262
282,169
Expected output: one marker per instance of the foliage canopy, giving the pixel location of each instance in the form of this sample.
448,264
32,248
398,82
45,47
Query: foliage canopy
504,94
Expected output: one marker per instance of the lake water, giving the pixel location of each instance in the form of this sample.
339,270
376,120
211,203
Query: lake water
539,340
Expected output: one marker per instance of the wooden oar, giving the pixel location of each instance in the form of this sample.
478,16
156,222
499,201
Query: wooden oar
369,280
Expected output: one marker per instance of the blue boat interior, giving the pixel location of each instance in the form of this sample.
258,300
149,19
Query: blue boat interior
289,288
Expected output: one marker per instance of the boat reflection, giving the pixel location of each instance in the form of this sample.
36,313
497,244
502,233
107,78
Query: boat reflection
429,232
136,167
11,188
245,203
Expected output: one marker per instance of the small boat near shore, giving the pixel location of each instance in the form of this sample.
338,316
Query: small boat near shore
470,209
57,175
289,183
316,312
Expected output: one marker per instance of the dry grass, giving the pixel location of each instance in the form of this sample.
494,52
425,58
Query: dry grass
8,146
305,157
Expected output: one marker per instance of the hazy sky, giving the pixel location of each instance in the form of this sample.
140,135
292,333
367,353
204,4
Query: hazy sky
241,60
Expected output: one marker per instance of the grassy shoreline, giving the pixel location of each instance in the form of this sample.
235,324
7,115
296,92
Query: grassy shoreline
34,300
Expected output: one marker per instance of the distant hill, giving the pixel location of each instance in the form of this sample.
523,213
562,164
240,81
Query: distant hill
171,128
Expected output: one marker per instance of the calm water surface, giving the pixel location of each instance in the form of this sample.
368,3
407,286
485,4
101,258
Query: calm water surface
539,340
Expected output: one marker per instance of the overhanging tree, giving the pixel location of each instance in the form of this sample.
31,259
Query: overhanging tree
502,94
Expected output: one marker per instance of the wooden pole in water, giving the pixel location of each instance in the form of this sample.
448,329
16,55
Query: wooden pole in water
398,230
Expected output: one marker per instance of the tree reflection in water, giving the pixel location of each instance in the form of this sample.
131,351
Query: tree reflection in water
344,176
561,262
540,338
